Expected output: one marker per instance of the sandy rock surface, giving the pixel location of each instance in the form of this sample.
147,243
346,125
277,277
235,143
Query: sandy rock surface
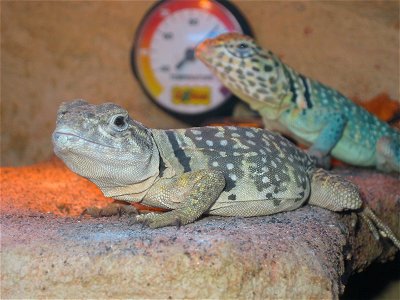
307,253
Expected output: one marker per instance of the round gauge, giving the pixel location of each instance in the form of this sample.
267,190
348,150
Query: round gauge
163,57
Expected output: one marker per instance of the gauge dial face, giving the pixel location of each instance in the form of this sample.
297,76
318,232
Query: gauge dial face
164,54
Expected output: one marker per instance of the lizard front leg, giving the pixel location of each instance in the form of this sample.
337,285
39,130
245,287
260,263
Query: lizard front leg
189,196
329,136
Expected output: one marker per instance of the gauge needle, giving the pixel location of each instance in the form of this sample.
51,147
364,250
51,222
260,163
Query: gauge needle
189,56
212,33
189,53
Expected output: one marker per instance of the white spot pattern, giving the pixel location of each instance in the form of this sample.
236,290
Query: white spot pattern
233,177
250,134
265,179
196,132
219,134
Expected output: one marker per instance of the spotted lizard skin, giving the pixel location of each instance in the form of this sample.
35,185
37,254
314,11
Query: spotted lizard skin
226,171
304,109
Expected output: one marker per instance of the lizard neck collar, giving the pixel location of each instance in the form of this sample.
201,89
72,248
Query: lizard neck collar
274,111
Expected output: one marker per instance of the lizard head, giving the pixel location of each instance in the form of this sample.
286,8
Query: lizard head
103,144
253,74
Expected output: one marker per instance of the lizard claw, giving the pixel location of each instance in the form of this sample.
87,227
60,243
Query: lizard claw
178,223
94,212
113,209
154,220
144,219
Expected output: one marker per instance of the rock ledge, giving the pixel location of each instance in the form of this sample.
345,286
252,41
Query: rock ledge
307,253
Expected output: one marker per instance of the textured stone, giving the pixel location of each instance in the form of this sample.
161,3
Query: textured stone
307,253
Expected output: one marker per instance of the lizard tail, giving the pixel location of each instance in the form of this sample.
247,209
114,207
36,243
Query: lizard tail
369,216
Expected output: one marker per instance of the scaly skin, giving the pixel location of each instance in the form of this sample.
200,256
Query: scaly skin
300,107
226,171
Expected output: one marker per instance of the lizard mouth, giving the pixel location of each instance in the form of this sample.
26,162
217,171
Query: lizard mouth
62,137
203,51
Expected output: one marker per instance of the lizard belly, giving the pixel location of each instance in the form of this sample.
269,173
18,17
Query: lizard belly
354,153
252,202
346,149
353,148
252,208
270,189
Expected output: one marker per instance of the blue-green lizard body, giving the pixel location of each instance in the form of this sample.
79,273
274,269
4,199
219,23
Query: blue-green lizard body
305,109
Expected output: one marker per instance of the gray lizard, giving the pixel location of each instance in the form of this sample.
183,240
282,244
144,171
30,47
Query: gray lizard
225,171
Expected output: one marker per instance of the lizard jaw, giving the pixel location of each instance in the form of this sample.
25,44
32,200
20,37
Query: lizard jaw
62,138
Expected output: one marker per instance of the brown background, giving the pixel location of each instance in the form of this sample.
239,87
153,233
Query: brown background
57,51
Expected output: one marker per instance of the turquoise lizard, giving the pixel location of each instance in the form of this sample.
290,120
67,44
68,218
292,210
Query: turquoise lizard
303,108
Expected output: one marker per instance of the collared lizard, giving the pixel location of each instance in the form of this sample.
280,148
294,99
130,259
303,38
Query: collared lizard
304,109
226,171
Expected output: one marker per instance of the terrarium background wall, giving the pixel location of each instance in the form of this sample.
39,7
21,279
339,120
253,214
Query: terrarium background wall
57,51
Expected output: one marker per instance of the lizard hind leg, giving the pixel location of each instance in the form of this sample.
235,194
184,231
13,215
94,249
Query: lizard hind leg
388,154
335,193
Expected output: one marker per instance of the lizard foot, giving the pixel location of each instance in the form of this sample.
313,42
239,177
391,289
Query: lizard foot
156,220
371,226
377,226
113,209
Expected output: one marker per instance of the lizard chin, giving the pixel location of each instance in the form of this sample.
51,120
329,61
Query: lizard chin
98,162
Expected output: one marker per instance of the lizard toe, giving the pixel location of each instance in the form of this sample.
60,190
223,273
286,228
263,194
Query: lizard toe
154,220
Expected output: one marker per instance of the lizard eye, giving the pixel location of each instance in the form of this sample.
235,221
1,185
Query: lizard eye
119,122
241,50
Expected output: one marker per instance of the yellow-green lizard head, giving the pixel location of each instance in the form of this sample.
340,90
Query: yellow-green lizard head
253,74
